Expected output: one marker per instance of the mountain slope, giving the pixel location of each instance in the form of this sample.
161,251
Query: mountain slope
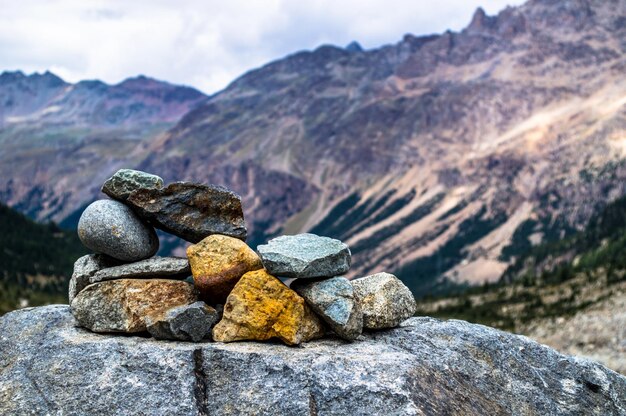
59,141
35,261
441,157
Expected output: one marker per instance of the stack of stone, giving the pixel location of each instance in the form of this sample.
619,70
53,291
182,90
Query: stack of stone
292,289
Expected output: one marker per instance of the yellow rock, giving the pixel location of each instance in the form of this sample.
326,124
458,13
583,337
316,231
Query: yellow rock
217,263
261,307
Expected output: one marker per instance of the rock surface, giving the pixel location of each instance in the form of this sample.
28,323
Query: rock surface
112,228
261,307
385,300
305,256
125,181
334,300
191,211
217,263
427,366
185,323
84,268
124,305
152,268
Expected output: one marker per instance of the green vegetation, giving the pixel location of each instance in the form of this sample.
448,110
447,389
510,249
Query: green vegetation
553,279
36,261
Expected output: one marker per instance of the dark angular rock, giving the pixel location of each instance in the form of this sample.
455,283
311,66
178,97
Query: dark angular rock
125,181
334,301
152,268
184,323
112,228
191,211
425,367
384,299
85,268
304,256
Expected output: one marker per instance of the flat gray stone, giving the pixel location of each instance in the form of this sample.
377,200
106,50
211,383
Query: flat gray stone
125,181
334,301
84,268
152,268
185,323
191,211
425,367
384,299
112,228
305,256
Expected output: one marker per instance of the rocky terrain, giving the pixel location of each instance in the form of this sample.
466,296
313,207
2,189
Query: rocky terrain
427,366
439,157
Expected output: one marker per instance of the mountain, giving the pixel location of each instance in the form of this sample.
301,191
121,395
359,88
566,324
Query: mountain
441,157
58,140
36,261
568,294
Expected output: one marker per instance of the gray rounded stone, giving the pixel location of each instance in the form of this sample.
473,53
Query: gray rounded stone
112,228
125,181
384,299
305,256
184,323
425,367
334,301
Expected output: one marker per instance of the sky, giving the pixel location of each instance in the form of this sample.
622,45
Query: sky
204,43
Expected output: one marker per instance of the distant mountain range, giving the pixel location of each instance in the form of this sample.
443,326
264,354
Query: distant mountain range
441,158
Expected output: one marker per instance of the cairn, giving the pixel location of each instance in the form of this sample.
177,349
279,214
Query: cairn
290,289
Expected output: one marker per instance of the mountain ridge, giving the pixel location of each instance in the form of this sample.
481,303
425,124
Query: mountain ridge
427,156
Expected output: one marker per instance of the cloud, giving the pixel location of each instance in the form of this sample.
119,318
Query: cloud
202,43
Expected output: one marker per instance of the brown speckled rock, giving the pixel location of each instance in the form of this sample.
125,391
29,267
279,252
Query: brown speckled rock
124,305
261,307
384,299
191,211
217,264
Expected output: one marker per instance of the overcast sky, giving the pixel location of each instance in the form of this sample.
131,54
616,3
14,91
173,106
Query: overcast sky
204,43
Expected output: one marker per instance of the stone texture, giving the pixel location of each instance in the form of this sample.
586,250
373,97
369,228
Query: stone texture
217,263
191,211
124,305
305,256
112,228
125,181
152,268
427,366
84,268
185,323
261,307
334,300
385,300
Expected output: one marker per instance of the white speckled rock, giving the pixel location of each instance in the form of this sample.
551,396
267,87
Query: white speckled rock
125,181
85,268
112,228
305,256
425,367
384,299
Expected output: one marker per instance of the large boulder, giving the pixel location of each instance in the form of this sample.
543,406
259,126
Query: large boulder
426,366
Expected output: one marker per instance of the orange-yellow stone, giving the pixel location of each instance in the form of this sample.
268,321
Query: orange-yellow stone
217,263
261,307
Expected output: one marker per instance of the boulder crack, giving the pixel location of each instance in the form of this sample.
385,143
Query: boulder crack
199,390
